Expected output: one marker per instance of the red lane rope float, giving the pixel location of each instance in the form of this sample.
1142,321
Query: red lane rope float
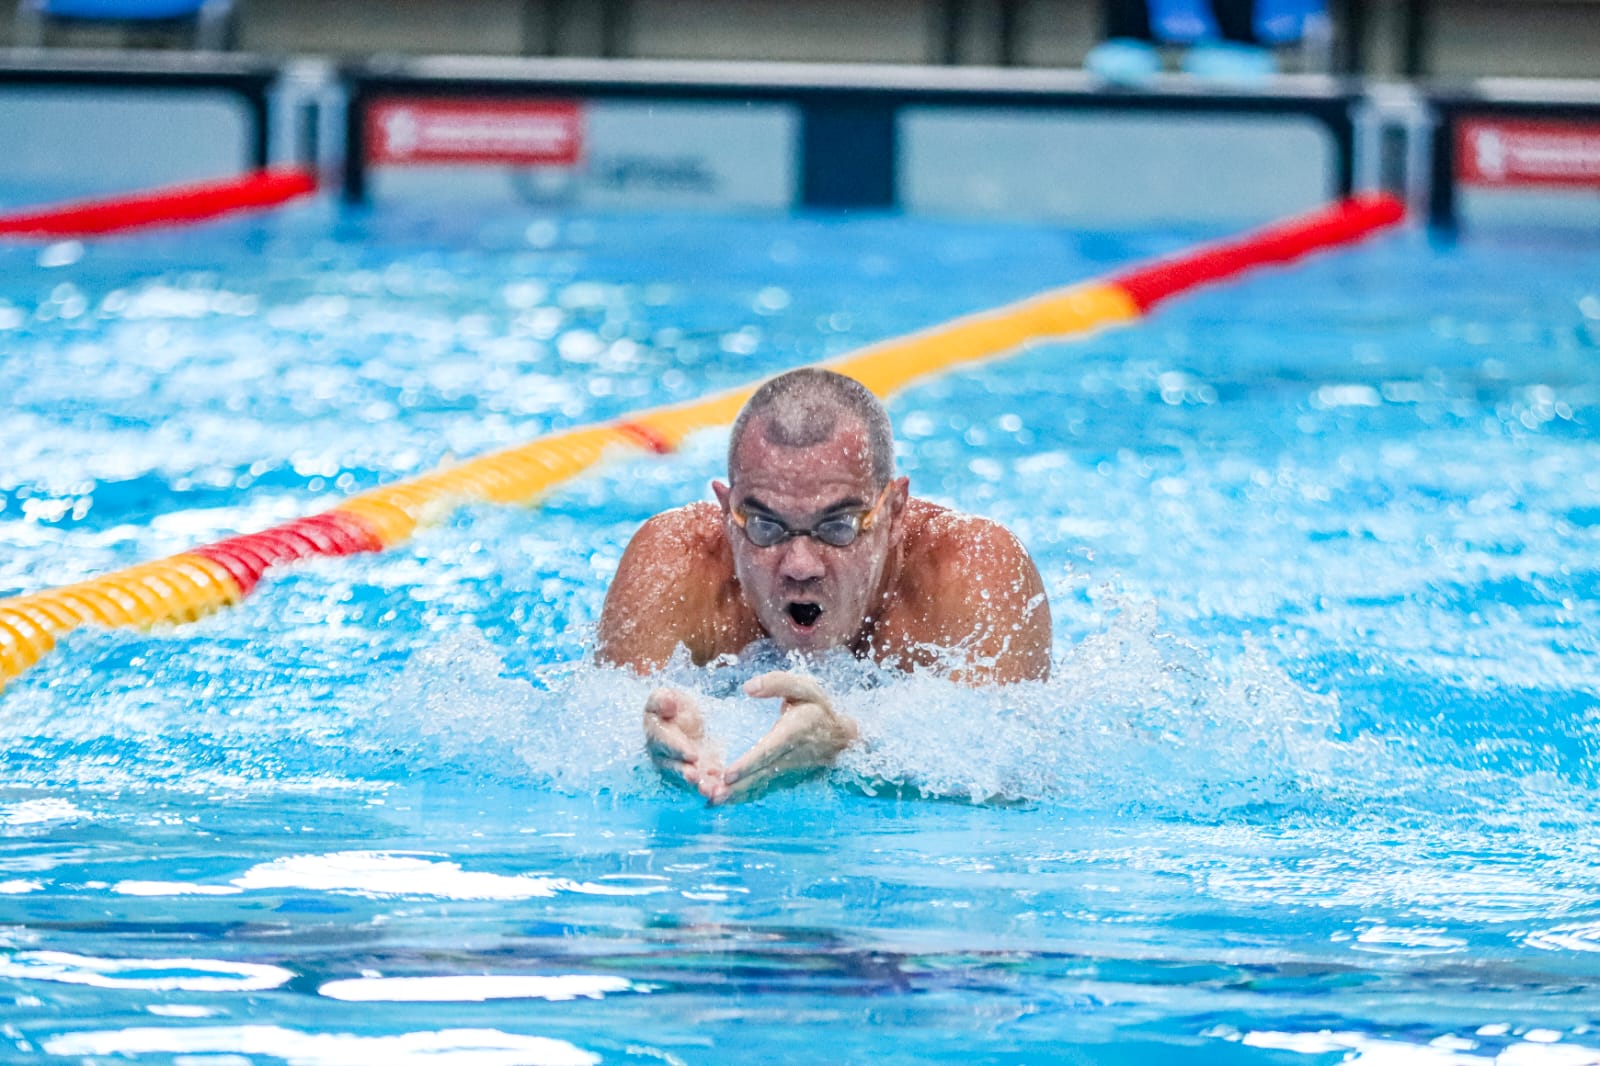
248,556
184,587
1338,223
162,207
646,437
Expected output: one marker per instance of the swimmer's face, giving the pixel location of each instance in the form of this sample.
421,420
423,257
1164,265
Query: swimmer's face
810,595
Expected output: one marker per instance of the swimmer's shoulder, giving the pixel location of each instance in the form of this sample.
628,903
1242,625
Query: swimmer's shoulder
974,586
689,533
671,589
945,542
683,551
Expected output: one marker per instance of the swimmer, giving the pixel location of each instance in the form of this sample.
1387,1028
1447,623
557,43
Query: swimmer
815,544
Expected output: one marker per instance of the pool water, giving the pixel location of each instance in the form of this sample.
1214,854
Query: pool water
1314,779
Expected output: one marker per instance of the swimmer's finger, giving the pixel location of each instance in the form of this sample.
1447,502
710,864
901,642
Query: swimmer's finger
667,764
670,713
660,704
757,780
672,748
679,772
671,705
689,760
666,739
765,764
787,686
737,792
760,761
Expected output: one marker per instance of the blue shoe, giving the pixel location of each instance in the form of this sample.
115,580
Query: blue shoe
1123,61
1230,63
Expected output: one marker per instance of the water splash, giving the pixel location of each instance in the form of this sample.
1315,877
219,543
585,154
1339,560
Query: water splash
1131,718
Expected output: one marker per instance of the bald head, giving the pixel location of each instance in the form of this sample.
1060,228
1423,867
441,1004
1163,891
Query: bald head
806,407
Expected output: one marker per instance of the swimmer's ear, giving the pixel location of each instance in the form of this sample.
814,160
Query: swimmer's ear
724,494
899,494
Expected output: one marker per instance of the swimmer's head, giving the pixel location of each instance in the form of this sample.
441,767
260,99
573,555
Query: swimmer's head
803,407
812,508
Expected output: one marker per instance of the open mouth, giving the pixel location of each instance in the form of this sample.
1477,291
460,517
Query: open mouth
805,615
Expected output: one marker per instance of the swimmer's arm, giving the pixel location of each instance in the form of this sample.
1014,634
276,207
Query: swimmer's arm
994,610
654,603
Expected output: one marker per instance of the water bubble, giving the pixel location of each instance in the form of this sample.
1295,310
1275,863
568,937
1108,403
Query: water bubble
522,295
542,233
772,299
60,254
580,346
744,342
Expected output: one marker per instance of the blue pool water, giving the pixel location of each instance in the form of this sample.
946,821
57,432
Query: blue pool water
1314,780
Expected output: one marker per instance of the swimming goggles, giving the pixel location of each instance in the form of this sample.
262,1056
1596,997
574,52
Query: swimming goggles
839,529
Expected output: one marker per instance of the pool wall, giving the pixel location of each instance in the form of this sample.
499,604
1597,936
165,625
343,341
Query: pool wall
943,141
91,124
1033,145
993,143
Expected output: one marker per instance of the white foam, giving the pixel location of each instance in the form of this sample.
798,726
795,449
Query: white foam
1537,1054
40,812
1572,937
378,875
476,988
1129,714
441,1047
172,888
181,1010
1417,941
386,874
457,699
162,975
1538,1048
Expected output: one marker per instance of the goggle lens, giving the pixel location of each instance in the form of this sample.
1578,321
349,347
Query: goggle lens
840,532
766,532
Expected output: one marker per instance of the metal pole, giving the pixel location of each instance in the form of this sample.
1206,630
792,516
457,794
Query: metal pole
1010,18
1414,38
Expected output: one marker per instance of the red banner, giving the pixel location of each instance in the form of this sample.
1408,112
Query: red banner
1528,153
511,132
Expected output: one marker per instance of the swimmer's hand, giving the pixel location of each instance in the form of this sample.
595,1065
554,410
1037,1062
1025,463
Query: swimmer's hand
809,735
675,736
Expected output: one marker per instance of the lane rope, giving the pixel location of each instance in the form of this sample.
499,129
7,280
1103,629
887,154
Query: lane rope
172,205
194,583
